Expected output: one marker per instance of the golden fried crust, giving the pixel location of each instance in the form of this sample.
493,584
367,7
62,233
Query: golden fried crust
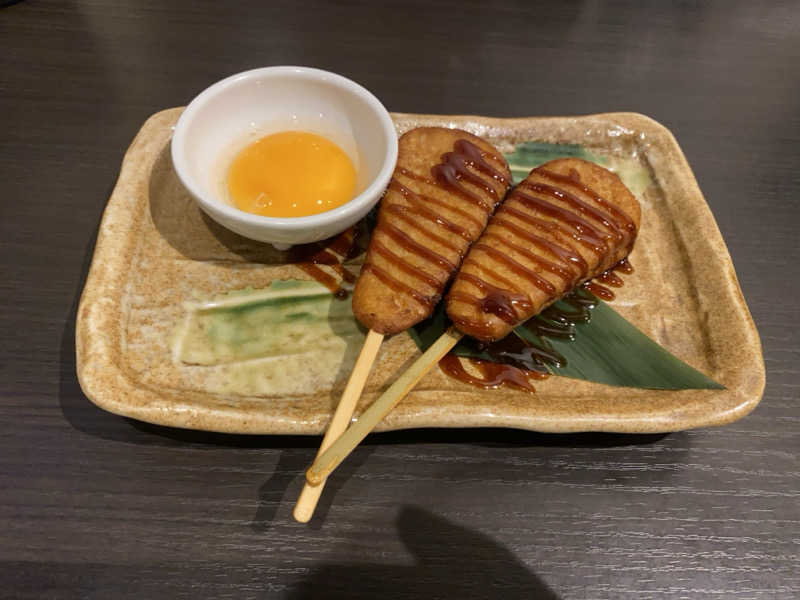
446,184
567,222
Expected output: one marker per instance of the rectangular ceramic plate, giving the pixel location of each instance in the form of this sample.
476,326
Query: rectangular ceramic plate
155,251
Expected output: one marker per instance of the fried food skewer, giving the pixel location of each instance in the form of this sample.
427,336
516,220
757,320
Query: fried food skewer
446,185
556,230
567,222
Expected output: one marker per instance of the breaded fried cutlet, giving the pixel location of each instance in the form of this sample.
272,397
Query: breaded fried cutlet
567,222
446,185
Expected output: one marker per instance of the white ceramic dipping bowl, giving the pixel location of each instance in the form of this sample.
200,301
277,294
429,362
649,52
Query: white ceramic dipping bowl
238,110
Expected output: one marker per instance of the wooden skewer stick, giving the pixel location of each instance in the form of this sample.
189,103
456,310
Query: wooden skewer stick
307,501
331,458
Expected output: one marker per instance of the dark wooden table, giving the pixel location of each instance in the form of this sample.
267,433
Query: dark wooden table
97,506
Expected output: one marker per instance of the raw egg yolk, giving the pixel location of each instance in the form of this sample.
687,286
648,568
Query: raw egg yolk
291,174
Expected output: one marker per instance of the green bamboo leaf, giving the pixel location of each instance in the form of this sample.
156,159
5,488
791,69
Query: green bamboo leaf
609,349
606,349
288,316
528,155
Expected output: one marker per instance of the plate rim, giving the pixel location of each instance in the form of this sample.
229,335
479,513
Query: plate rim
105,381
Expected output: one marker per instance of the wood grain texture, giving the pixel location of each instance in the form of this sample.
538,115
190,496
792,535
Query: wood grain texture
97,506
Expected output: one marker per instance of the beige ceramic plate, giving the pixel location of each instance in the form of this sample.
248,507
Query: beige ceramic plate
155,251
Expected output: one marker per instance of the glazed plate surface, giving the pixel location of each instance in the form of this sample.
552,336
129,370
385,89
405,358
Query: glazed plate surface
156,254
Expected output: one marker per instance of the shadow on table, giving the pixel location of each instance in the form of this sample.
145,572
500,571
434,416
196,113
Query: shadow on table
446,561
287,479
450,562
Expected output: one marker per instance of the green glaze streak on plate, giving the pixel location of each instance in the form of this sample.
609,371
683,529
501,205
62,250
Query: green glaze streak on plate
288,317
529,155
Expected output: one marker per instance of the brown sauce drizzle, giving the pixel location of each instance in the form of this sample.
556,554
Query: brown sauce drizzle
499,302
418,201
327,252
559,320
454,168
609,277
346,275
520,359
521,353
475,158
565,216
518,268
449,174
547,265
495,303
567,254
401,288
330,253
344,243
404,214
574,180
396,261
587,234
492,375
415,176
406,243
577,204
624,266
600,291
506,284
326,279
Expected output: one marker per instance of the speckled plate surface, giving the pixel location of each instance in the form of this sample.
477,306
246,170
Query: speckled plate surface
155,250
